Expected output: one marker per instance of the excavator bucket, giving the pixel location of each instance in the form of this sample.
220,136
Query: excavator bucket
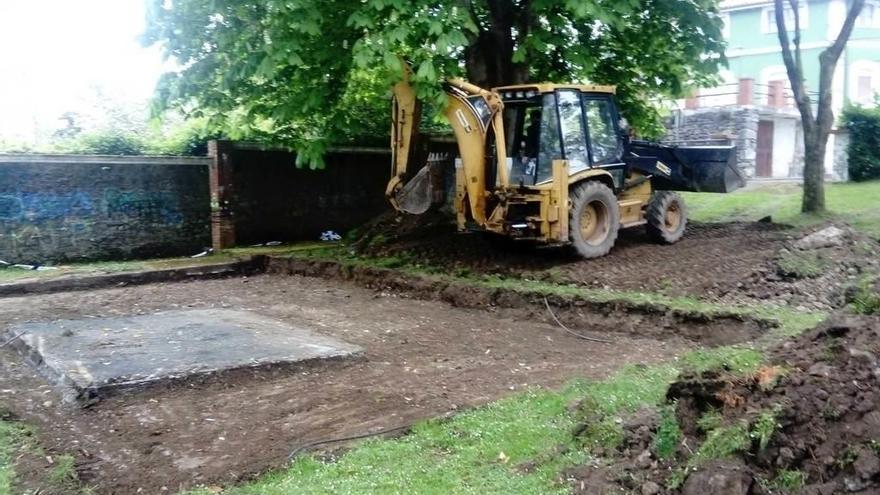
417,195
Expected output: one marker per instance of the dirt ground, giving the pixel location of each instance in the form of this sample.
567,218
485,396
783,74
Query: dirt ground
709,259
820,392
423,359
732,263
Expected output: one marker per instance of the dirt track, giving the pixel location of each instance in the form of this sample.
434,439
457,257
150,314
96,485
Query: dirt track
423,359
710,260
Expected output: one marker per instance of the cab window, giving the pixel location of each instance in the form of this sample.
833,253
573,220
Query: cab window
605,144
571,120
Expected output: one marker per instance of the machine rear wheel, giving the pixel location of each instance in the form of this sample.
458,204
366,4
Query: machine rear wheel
666,216
594,219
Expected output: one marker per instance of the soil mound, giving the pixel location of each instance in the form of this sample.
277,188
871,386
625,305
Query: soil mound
809,422
814,270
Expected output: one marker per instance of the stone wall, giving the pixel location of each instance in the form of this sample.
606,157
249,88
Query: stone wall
719,125
738,125
56,208
839,168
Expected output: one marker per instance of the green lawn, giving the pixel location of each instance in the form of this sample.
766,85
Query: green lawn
484,451
857,204
13,274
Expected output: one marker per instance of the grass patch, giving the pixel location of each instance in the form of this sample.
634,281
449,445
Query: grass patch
802,265
11,274
765,426
63,472
738,359
791,481
13,437
866,300
722,442
668,434
858,204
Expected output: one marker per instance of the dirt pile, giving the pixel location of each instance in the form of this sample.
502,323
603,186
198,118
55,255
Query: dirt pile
809,422
813,271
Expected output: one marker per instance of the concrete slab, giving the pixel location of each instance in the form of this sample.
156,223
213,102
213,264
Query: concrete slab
92,358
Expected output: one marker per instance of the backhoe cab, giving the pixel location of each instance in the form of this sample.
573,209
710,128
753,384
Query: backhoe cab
552,163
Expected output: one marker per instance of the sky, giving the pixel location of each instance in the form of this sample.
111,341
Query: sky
55,54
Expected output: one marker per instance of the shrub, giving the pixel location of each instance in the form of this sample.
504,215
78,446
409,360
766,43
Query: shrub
863,154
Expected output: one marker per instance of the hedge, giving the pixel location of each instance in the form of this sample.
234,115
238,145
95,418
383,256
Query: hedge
863,153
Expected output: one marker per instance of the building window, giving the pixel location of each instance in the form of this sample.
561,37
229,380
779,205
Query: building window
870,16
768,18
864,83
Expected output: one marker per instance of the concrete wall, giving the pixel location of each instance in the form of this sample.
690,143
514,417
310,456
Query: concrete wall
732,125
259,195
71,208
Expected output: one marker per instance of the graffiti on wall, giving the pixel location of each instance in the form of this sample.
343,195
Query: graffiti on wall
144,206
41,222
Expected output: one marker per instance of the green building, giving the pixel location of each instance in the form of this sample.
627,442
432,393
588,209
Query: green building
755,85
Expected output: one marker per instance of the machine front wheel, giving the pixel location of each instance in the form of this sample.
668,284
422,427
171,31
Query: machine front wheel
666,216
594,219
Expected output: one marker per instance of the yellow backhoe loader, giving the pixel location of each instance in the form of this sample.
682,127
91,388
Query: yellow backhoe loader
554,163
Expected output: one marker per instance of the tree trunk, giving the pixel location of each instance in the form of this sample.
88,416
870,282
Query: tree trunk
489,58
814,172
816,130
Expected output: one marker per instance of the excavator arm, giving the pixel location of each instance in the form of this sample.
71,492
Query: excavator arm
415,195
472,112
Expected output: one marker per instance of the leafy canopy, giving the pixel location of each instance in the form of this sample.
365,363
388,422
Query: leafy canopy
311,72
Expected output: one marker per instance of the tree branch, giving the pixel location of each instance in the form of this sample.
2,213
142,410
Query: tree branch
837,48
795,72
828,62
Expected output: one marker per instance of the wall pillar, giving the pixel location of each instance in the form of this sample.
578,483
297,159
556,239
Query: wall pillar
746,91
776,94
222,191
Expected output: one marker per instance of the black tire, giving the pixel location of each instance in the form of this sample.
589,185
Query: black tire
594,219
666,216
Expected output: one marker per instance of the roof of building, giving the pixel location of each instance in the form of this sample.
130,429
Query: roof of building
738,4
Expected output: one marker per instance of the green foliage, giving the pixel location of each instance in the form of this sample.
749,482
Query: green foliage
105,142
668,434
764,427
63,472
866,300
802,265
13,436
722,442
863,125
739,359
309,73
790,481
710,420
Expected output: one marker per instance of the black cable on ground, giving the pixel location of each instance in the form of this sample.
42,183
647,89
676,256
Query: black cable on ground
582,337
302,448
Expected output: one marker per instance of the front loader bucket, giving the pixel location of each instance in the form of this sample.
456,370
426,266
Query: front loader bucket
688,168
417,195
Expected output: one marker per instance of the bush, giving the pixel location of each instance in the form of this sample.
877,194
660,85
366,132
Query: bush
104,142
864,142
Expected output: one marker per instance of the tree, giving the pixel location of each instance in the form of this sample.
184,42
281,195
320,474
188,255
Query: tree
816,128
294,67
